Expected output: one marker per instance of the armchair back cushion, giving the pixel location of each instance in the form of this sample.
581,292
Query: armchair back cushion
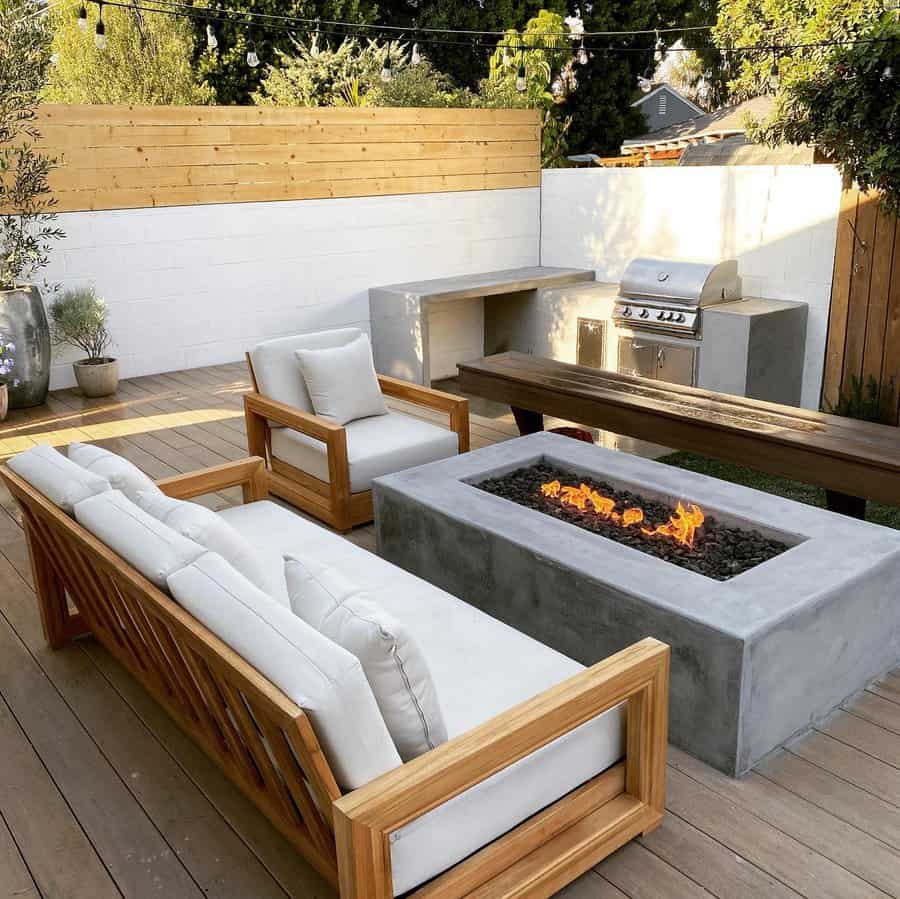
275,367
341,381
322,678
121,474
150,546
63,482
392,661
212,532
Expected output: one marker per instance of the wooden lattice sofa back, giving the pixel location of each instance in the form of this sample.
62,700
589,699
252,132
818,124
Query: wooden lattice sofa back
260,738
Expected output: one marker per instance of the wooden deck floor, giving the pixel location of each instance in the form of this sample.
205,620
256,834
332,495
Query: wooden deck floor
102,796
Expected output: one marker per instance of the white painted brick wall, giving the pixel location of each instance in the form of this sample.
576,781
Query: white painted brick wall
780,222
199,285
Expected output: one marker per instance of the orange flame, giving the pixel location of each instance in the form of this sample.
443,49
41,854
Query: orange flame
681,527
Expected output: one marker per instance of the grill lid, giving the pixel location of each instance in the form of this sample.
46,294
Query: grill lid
693,283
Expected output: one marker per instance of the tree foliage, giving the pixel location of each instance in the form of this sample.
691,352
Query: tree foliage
27,230
419,85
147,59
850,110
78,318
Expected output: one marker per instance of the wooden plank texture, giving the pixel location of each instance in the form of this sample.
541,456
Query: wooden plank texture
124,157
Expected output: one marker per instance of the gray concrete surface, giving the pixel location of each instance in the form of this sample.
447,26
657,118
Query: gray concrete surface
755,659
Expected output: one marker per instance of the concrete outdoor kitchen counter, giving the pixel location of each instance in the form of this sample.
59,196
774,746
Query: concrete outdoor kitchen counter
756,658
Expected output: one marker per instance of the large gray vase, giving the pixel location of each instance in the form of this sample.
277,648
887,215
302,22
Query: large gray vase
24,322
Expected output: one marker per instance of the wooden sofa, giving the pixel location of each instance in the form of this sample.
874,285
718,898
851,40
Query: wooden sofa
265,743
275,402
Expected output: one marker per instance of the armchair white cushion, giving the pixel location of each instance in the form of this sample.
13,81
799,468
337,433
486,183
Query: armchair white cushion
122,474
341,381
275,364
322,678
394,665
376,446
63,482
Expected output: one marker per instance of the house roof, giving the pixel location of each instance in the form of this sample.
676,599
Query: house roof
721,123
667,88
738,150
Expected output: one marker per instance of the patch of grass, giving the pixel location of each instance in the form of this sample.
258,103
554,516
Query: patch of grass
889,516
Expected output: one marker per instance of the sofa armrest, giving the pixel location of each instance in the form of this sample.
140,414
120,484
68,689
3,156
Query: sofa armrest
271,410
639,675
249,474
456,406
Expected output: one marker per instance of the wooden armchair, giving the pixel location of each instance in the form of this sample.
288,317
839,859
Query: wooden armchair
333,500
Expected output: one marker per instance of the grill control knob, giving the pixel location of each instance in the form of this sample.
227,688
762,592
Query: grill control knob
627,311
679,317
660,316
645,313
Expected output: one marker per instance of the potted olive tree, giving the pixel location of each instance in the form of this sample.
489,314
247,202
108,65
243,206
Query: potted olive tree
27,223
78,318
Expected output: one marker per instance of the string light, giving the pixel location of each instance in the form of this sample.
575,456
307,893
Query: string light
386,73
774,77
505,58
645,84
521,79
212,42
82,18
582,55
252,55
416,57
660,50
100,31
314,44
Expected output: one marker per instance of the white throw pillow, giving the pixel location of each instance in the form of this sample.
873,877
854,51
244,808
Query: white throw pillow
341,381
62,481
323,679
151,547
122,474
212,532
392,661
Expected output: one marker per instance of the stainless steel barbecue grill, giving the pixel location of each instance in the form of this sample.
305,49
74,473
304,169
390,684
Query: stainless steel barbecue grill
664,295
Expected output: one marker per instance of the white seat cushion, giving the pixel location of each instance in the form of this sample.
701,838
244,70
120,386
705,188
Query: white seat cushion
122,474
395,667
375,446
150,546
275,366
322,678
212,532
59,479
480,667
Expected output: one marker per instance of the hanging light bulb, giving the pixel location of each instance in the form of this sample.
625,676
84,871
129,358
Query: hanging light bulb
416,57
521,79
252,55
100,31
211,40
774,77
504,61
582,55
645,84
557,88
82,18
54,59
314,44
386,73
888,73
660,50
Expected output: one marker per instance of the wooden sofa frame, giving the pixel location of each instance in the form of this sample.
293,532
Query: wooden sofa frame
265,744
331,501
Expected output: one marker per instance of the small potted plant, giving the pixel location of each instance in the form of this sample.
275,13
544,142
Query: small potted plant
7,361
78,318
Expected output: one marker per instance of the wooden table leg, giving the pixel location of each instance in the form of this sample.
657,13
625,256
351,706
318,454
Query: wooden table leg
528,422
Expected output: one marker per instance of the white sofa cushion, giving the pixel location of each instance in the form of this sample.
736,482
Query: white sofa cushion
480,667
375,446
214,533
341,381
322,678
62,481
275,365
150,546
394,665
122,474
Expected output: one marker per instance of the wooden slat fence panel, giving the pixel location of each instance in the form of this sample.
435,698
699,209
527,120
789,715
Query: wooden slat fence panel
864,320
123,157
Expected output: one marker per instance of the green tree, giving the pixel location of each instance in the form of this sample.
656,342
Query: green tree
147,59
419,85
225,69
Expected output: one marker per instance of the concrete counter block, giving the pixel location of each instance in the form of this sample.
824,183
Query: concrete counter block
755,659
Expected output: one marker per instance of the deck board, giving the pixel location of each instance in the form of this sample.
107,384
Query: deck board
101,795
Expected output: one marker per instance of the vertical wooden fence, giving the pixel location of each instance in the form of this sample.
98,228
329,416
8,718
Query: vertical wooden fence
124,157
864,321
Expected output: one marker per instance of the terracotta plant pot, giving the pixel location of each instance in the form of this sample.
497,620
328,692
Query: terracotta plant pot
4,401
97,377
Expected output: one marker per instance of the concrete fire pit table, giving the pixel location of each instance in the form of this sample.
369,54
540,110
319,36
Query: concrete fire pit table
755,658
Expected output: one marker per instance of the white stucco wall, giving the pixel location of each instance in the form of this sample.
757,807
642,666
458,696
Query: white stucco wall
199,285
780,222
